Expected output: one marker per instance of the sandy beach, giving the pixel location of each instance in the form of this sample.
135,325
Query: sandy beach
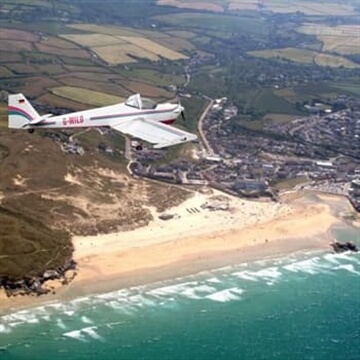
195,239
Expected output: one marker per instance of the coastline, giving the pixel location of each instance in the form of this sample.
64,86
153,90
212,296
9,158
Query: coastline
192,243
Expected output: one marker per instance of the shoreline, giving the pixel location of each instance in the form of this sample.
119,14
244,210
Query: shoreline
200,241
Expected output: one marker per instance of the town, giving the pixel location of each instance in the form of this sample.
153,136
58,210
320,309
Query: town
320,152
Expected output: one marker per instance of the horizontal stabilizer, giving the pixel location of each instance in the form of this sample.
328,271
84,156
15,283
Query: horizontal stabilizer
39,119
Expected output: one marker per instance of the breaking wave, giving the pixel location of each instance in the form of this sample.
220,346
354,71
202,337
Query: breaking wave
230,284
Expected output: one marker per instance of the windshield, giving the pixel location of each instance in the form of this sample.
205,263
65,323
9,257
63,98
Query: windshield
148,103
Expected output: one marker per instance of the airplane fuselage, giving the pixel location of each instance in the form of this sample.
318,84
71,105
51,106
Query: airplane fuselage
137,117
110,115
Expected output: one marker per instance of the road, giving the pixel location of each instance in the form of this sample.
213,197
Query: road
208,148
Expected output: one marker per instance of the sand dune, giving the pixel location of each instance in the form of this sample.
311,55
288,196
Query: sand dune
194,240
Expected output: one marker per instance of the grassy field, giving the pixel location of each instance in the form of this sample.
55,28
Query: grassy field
85,96
268,102
334,61
105,87
5,72
146,90
96,39
120,54
276,6
114,30
305,56
153,47
293,54
154,77
279,118
28,247
193,5
309,8
217,23
349,88
119,46
342,39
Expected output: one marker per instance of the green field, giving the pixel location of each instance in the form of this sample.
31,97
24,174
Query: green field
276,6
85,96
305,56
217,23
293,54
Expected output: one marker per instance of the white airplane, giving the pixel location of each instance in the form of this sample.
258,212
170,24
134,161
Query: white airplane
138,117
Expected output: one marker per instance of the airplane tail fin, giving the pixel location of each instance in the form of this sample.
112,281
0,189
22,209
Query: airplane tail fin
20,111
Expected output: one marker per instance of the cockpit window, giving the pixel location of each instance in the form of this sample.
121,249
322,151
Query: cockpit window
136,101
148,103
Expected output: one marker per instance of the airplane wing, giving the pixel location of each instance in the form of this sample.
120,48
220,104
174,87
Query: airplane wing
154,132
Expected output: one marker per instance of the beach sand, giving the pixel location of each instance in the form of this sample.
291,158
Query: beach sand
195,239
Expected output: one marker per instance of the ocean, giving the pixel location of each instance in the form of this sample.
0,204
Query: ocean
302,306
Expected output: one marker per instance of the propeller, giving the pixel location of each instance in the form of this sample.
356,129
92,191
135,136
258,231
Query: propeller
182,111
183,115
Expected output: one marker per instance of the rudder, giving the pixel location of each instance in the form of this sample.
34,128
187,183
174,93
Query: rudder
20,111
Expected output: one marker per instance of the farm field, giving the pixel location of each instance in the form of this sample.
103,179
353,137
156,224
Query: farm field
193,5
116,30
122,45
342,39
53,69
85,96
146,90
105,87
293,54
334,61
154,77
306,57
214,24
276,6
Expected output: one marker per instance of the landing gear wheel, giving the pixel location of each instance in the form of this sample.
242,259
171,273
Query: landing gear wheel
139,148
31,131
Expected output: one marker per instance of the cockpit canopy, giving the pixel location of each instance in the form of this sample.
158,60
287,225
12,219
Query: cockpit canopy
138,102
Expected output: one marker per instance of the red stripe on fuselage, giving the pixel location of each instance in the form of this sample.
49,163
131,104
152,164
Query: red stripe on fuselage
168,122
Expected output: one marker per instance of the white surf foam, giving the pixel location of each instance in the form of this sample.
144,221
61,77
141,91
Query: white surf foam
349,268
271,273
245,275
4,329
214,280
60,324
336,258
226,295
92,333
171,289
75,334
86,320
309,266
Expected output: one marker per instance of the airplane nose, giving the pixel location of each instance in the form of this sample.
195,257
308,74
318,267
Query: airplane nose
179,109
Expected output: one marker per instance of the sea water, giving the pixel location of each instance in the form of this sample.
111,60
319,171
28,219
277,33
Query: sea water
303,306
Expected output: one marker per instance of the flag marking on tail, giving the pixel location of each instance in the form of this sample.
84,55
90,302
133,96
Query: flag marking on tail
13,110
